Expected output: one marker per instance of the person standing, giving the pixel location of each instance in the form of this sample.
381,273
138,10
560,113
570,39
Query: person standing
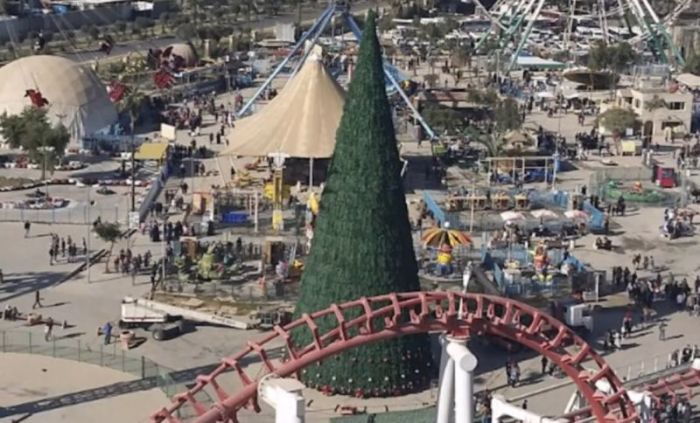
48,329
544,365
37,300
662,331
107,332
27,226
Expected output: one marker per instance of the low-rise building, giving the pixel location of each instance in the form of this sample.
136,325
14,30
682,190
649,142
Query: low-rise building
664,108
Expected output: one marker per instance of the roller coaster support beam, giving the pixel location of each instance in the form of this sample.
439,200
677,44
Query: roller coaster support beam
323,18
358,35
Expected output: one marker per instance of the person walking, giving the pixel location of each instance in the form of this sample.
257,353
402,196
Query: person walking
27,226
48,329
107,332
37,300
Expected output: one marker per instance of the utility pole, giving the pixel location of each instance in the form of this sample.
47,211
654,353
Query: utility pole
133,171
87,235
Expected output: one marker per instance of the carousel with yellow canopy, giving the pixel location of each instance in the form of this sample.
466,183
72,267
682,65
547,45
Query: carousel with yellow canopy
444,240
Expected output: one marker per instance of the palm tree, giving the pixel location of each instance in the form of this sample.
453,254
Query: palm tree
132,104
493,142
506,118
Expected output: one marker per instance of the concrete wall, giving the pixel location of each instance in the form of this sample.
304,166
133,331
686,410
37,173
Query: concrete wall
70,21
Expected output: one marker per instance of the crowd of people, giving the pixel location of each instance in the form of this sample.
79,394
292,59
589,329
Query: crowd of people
127,263
66,248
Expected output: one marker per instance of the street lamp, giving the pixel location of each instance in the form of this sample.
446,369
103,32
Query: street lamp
88,226
45,149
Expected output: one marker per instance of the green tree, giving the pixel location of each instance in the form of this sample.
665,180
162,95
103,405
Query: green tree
507,116
362,244
598,56
617,57
31,130
108,232
120,26
90,31
236,10
488,97
622,56
617,120
443,118
692,65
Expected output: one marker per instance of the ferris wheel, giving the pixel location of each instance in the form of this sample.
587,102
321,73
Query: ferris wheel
570,25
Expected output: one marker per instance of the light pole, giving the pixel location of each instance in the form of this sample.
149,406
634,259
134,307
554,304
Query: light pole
45,149
133,172
87,236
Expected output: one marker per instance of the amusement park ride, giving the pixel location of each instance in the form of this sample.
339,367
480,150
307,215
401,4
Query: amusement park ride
458,316
512,21
335,10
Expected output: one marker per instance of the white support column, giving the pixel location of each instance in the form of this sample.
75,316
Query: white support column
465,363
284,395
446,393
501,408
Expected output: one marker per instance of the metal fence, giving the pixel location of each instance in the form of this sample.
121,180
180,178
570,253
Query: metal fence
600,178
77,215
490,258
111,356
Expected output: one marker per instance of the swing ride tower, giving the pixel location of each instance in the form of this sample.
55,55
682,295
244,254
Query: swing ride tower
513,21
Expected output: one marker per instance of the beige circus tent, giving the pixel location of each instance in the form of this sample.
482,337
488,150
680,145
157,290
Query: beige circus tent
77,98
301,121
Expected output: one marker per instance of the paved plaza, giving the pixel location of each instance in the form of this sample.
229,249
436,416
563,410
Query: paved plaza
43,389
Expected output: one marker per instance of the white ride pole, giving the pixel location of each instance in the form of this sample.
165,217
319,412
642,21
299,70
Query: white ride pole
464,364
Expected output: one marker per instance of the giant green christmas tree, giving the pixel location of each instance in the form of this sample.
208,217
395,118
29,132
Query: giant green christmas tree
362,244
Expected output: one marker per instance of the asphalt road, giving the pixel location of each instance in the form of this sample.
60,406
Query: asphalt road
268,23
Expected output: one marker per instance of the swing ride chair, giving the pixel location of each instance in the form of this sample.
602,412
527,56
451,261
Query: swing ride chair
515,19
340,9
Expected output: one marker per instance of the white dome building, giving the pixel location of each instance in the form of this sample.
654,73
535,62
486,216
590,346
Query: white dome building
184,51
77,98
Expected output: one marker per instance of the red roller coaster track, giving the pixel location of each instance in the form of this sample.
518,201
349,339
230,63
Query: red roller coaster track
429,312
